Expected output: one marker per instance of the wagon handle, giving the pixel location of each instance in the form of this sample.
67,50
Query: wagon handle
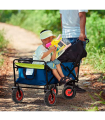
87,40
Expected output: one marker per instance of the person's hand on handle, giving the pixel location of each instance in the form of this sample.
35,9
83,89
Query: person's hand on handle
82,37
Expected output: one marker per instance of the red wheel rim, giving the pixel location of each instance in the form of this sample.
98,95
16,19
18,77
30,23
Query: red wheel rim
54,90
18,97
68,92
50,99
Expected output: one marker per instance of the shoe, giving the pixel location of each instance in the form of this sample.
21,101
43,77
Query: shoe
63,80
79,90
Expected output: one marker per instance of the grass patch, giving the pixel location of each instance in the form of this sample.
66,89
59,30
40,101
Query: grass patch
94,106
3,45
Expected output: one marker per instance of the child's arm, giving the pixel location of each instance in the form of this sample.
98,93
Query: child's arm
48,52
53,57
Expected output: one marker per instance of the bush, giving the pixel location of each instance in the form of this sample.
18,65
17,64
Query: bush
37,20
19,18
5,15
3,41
3,44
96,47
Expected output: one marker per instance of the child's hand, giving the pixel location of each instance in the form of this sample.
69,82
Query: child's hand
53,48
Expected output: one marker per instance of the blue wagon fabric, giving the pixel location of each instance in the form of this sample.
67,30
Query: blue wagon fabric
40,77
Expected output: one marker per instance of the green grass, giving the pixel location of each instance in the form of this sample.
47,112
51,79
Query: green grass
94,106
3,41
3,45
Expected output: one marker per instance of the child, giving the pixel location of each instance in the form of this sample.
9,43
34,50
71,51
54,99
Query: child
49,56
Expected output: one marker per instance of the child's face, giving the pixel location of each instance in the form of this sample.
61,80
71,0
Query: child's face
50,38
47,40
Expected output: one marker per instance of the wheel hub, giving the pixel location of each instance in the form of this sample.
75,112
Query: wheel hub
18,96
68,92
51,99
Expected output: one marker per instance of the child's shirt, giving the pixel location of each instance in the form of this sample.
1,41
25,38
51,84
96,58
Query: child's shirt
39,53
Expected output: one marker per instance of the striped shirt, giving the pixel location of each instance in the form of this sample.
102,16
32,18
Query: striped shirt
71,23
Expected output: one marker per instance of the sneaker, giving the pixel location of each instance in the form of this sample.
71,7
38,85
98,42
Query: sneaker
79,90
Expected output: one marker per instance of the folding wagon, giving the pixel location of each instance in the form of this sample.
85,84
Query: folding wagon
42,75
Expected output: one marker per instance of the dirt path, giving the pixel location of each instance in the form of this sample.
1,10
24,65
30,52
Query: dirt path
22,44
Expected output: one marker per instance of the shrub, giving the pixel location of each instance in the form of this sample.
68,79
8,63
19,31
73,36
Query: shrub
3,41
3,44
96,47
37,20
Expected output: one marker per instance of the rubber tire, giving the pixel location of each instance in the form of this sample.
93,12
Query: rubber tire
52,86
47,97
71,96
15,93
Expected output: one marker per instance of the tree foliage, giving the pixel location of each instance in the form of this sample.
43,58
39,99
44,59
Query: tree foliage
37,20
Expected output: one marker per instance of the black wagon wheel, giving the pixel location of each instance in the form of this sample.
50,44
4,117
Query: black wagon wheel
54,88
68,92
16,97
49,99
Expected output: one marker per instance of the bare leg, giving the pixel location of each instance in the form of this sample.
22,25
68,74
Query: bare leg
55,73
59,69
